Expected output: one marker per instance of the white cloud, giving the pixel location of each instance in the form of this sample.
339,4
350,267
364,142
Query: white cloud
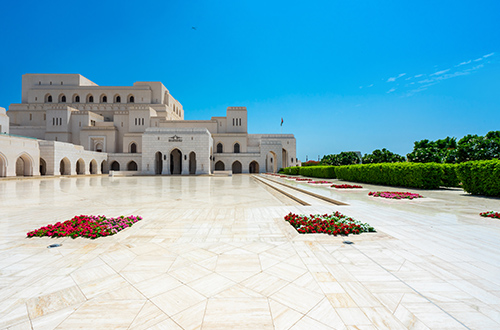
440,72
391,90
370,85
418,75
488,55
478,59
394,78
463,63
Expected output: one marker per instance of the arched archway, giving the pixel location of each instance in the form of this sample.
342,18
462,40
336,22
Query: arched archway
271,162
220,148
3,165
48,98
43,167
24,166
115,166
103,98
93,167
219,166
62,98
104,167
132,166
236,148
192,162
118,99
90,98
175,161
131,99
133,148
236,167
80,166
65,166
253,167
76,98
98,147
158,163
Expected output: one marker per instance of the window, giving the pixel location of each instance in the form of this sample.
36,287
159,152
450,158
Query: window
240,121
236,148
133,148
219,148
118,99
90,99
39,83
61,82
104,99
77,99
143,121
233,122
44,116
63,99
31,116
136,121
49,99
131,99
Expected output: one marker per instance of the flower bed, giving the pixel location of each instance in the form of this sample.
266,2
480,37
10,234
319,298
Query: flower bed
331,224
89,226
344,186
319,182
394,194
302,179
490,214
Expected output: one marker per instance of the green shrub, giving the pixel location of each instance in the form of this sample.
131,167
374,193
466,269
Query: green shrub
450,177
312,171
480,177
294,170
411,175
318,171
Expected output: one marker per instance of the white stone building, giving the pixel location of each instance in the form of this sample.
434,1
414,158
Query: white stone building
134,128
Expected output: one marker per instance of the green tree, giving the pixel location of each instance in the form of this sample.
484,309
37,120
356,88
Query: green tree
382,156
474,147
439,151
344,158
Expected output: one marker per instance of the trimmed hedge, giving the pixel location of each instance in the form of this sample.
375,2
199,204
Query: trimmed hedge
291,170
410,175
480,177
450,177
327,172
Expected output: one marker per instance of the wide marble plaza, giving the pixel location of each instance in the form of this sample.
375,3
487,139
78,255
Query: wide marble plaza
215,253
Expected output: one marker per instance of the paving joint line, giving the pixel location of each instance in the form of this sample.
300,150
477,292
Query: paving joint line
415,290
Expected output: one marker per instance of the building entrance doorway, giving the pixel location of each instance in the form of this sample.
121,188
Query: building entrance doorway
158,163
176,162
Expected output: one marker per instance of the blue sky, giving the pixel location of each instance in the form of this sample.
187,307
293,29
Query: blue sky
344,75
